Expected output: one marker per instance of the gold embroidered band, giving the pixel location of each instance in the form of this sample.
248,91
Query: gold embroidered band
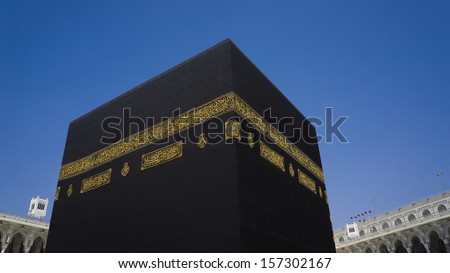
271,156
96,181
162,155
221,105
58,189
306,181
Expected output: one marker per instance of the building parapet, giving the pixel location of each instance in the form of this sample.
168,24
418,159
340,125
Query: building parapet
21,220
413,215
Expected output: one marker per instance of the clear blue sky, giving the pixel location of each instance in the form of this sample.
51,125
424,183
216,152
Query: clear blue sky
385,64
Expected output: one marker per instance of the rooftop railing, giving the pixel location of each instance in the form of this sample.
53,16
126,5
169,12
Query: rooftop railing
21,219
381,232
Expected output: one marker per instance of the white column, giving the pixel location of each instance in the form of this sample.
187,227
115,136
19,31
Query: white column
427,246
26,249
4,246
447,244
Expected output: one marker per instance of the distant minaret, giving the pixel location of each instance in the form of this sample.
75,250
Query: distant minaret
38,208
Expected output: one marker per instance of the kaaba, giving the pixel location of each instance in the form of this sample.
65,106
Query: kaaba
208,156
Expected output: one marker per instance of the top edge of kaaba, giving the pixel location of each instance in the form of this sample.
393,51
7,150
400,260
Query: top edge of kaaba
227,43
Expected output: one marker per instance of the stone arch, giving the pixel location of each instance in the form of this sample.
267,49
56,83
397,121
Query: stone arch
436,243
383,249
385,226
399,247
368,250
16,243
411,218
341,239
441,208
38,245
426,213
373,229
417,246
362,233
398,222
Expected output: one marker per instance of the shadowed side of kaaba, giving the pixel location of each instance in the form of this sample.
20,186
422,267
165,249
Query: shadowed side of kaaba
277,212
